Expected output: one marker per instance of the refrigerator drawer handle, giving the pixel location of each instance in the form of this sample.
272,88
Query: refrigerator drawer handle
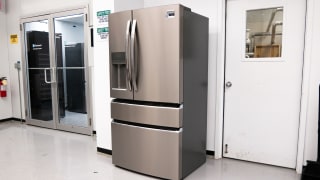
127,51
134,62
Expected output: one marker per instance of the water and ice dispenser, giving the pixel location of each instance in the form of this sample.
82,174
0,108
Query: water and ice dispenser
119,79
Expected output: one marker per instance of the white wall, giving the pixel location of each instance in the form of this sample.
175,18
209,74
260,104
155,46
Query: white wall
312,60
29,7
14,54
101,92
5,102
209,9
122,5
101,86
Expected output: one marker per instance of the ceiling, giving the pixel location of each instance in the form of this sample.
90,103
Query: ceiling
78,19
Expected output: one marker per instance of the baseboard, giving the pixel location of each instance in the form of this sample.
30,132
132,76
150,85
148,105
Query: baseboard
211,153
17,119
12,119
105,151
5,120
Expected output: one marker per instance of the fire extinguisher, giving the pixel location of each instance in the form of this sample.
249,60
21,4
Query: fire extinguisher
3,89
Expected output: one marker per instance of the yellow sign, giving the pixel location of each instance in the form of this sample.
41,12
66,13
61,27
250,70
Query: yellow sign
14,38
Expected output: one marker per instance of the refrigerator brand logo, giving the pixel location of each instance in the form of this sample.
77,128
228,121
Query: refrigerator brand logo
170,14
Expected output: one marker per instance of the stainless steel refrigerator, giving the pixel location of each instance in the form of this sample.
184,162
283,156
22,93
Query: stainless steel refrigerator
158,77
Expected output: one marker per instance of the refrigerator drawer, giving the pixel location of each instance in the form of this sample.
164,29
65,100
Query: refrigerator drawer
150,151
150,115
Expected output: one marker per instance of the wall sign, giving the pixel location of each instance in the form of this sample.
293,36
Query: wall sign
14,39
103,16
102,33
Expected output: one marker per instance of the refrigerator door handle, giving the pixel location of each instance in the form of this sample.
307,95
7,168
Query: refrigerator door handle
127,51
133,55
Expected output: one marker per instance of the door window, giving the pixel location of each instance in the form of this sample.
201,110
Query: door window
264,33
69,40
38,70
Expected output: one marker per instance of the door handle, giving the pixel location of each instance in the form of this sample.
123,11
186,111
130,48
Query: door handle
127,51
228,84
134,62
45,76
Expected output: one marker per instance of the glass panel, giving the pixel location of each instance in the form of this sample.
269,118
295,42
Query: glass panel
264,33
38,58
72,97
71,79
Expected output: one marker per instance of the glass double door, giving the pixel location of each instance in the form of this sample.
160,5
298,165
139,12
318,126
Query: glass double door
56,77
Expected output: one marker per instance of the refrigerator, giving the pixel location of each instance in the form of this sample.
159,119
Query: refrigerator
158,82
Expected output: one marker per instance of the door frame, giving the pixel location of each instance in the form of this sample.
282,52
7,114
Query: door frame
220,94
50,16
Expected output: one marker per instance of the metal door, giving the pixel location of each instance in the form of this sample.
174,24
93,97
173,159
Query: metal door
156,40
120,70
72,78
264,60
39,72
57,93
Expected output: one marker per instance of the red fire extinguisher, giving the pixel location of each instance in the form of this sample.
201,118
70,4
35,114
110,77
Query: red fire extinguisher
3,89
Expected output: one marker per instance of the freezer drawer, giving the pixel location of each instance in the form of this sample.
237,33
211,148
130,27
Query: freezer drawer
150,151
146,114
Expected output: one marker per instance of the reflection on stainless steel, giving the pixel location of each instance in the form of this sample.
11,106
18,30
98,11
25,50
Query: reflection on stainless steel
127,53
158,73
133,54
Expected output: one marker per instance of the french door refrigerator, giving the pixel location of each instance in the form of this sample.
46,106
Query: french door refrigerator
158,77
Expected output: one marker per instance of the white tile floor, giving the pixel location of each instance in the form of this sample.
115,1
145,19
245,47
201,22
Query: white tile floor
33,153
75,119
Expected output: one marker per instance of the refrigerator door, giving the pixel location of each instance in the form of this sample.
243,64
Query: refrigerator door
157,54
120,69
